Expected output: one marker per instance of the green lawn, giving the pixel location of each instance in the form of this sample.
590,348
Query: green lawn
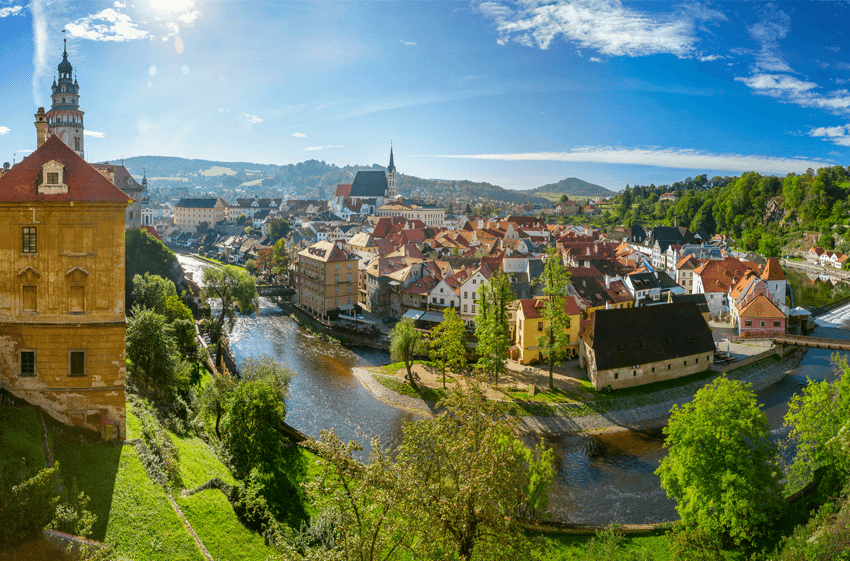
198,463
20,439
391,369
543,396
572,546
426,393
133,513
213,519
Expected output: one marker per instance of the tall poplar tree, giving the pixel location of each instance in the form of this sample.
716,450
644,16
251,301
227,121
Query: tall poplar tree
491,324
553,343
448,344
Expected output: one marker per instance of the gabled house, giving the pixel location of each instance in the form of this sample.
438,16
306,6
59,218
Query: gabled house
469,292
446,293
530,324
754,309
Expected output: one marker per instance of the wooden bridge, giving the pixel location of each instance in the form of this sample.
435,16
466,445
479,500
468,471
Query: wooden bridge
274,290
812,342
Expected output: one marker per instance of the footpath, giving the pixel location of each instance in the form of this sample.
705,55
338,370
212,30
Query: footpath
644,412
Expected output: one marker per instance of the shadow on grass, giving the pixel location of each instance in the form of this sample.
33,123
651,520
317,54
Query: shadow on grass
282,487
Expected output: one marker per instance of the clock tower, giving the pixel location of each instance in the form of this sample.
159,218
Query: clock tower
65,119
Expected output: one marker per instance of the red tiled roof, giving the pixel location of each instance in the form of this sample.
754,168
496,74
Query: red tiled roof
84,182
772,270
343,190
761,307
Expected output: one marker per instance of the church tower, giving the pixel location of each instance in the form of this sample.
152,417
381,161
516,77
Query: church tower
65,119
391,177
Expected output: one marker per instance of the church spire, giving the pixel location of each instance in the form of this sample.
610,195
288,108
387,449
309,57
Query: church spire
391,168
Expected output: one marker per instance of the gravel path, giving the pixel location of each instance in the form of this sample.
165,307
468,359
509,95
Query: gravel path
636,418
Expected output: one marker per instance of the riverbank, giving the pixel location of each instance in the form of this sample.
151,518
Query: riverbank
647,412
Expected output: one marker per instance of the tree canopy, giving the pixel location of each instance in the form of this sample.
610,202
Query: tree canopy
721,463
448,344
405,344
492,324
553,343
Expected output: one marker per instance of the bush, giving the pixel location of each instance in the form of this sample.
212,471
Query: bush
161,459
691,543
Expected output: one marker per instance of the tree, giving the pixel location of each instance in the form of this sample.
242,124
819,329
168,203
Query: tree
454,489
564,198
280,258
405,343
248,230
234,289
202,226
144,253
770,245
491,324
553,344
216,398
815,418
467,210
253,430
278,228
464,478
160,295
241,219
721,463
448,344
152,352
263,261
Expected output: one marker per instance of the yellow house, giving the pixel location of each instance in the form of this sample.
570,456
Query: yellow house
62,323
530,324
328,278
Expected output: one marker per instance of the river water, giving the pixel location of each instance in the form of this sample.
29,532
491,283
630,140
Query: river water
599,478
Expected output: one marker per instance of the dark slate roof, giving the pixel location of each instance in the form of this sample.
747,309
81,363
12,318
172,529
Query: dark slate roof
636,234
624,337
700,300
196,203
369,184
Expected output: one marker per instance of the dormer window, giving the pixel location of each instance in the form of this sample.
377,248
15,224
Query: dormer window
52,180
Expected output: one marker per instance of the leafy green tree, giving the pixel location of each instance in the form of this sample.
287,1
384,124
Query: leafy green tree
815,418
464,477
827,241
721,462
216,398
144,253
160,295
235,290
280,258
770,245
252,431
241,219
448,344
467,210
554,343
405,344
278,228
202,226
152,352
492,324
267,368
248,230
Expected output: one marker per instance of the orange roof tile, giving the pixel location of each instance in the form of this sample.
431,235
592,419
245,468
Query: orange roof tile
761,307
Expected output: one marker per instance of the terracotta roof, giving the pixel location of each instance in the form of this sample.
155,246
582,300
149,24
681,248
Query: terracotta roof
761,307
773,271
84,182
343,190
327,252
688,261
531,307
423,285
720,276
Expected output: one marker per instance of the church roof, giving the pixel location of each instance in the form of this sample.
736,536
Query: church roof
123,179
369,184
84,182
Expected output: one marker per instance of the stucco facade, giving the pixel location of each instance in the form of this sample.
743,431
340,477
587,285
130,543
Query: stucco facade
640,374
62,322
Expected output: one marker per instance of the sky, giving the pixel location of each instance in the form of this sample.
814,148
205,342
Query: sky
518,94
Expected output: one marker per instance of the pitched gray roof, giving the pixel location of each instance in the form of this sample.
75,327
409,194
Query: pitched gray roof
369,184
196,203
626,337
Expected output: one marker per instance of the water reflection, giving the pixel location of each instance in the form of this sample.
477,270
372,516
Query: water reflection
814,292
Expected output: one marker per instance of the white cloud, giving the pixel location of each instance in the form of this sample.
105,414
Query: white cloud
119,5
604,25
253,119
40,39
839,135
106,25
677,158
4,130
95,134
24,151
299,135
402,41
11,11
220,110
788,89
311,148
189,17
773,27
595,59
710,58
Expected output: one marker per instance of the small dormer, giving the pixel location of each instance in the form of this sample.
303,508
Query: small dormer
52,179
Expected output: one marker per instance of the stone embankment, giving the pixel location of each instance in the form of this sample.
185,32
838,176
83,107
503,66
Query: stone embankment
630,413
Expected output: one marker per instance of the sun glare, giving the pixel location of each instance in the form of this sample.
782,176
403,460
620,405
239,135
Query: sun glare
171,6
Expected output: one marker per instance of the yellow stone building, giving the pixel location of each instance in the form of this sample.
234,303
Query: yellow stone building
188,213
530,324
62,322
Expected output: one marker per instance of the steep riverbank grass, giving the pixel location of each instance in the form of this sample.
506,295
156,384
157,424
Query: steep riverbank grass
565,546
20,439
133,513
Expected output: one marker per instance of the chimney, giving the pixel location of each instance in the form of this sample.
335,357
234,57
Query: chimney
607,281
41,132
676,222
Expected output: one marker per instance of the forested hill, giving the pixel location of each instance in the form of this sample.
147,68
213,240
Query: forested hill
573,187
167,166
764,212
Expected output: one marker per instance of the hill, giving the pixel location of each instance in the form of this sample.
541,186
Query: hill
573,187
317,179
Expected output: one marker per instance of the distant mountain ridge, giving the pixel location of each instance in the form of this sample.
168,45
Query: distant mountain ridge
317,179
573,186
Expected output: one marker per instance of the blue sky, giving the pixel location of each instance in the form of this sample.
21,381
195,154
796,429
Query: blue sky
515,93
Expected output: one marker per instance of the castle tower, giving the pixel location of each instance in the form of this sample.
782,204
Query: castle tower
41,129
391,177
65,119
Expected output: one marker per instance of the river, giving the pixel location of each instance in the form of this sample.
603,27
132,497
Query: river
599,478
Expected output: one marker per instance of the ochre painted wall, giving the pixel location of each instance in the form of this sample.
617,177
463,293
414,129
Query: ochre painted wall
80,250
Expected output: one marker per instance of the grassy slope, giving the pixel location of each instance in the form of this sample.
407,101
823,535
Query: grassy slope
571,546
134,514
20,439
